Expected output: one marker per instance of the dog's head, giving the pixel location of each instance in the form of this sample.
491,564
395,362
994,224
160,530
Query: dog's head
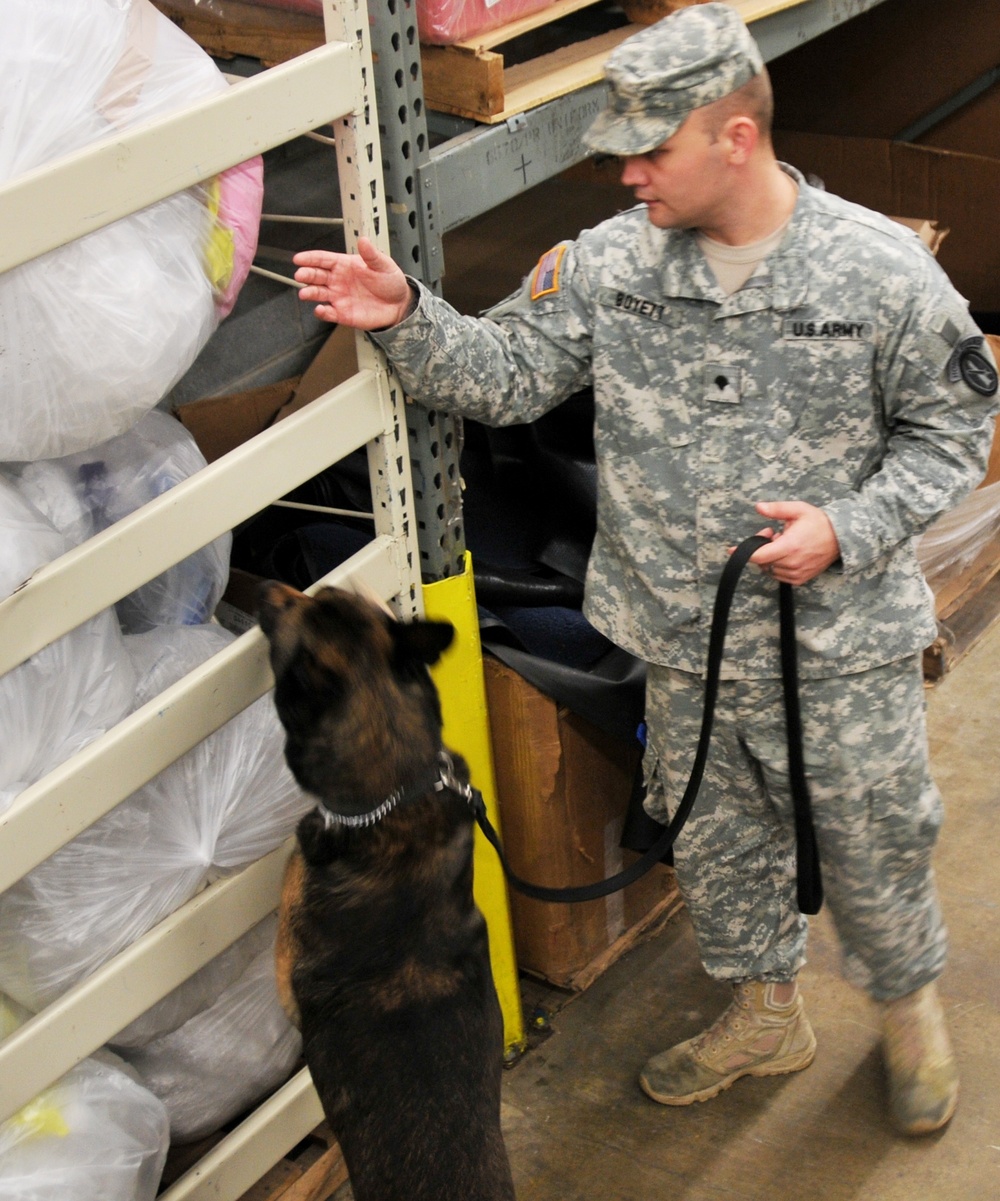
352,691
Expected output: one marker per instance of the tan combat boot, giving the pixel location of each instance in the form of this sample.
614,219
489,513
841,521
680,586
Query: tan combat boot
756,1036
923,1075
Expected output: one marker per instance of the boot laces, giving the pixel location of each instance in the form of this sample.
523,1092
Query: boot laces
726,1027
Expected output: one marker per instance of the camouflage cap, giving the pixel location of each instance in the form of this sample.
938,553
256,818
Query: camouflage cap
657,77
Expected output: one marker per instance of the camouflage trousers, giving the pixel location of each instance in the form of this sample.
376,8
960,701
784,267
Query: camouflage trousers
875,807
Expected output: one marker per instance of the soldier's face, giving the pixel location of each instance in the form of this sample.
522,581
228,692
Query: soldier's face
682,183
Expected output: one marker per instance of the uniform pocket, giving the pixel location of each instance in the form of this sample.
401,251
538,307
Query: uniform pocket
814,389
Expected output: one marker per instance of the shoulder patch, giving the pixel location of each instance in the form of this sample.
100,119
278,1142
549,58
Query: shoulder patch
545,281
969,364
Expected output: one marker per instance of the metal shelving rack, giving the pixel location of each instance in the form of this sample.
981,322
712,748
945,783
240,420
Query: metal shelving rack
432,189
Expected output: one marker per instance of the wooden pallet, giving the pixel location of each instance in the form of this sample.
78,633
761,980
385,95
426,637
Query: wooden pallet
967,607
468,79
269,34
968,604
472,79
480,78
311,1171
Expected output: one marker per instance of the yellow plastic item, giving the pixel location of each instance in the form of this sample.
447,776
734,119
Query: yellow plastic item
41,1117
459,678
220,248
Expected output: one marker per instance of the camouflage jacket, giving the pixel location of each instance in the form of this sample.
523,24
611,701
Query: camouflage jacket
847,373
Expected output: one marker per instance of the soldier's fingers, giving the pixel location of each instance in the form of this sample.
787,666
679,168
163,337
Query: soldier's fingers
764,554
312,275
312,292
313,258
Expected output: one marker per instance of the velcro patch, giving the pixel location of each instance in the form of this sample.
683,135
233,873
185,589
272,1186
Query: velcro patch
824,330
545,281
723,383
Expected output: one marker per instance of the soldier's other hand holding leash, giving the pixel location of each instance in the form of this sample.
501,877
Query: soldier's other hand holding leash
804,548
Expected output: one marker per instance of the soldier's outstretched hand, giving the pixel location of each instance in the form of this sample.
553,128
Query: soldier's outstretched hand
366,290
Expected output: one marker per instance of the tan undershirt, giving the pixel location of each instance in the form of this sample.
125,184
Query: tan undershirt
733,265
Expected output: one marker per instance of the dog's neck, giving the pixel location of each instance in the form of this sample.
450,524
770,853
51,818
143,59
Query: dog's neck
442,777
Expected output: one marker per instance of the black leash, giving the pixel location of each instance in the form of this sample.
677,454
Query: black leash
809,882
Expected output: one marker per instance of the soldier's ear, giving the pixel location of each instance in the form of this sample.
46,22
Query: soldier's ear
741,134
424,641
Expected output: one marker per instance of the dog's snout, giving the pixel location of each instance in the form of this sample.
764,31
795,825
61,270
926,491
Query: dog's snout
273,599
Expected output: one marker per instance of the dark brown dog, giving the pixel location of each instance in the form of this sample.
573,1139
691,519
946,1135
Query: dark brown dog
383,960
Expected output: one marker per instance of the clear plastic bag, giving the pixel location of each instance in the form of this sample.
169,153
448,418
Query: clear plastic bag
958,537
84,493
224,1059
95,1135
96,331
69,692
224,804
199,991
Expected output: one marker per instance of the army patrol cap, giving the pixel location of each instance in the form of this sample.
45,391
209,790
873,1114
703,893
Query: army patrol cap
658,77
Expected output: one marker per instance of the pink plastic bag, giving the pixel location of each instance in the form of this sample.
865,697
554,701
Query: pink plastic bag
240,198
441,22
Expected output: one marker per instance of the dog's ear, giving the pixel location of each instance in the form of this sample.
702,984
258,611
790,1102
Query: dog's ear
423,641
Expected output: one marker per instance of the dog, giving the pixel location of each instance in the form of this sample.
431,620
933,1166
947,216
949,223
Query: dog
382,956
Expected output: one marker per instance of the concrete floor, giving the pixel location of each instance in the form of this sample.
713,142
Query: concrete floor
577,1126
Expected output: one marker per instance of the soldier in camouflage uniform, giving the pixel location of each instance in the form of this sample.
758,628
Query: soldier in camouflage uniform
757,347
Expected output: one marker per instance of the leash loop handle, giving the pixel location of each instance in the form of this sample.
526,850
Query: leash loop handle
809,884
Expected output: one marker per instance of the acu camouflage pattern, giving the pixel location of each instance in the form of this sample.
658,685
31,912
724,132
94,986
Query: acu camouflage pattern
875,808
657,77
823,379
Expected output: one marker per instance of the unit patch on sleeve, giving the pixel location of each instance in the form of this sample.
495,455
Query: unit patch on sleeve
545,281
968,363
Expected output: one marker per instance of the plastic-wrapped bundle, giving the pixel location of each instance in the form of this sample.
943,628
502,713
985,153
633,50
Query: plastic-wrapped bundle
959,536
95,1135
85,493
224,1059
444,21
67,693
234,237
199,991
96,331
228,801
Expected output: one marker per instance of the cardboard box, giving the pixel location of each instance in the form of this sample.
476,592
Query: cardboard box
879,72
221,423
563,787
956,191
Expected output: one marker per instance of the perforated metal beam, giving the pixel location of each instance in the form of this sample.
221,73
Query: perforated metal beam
415,243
